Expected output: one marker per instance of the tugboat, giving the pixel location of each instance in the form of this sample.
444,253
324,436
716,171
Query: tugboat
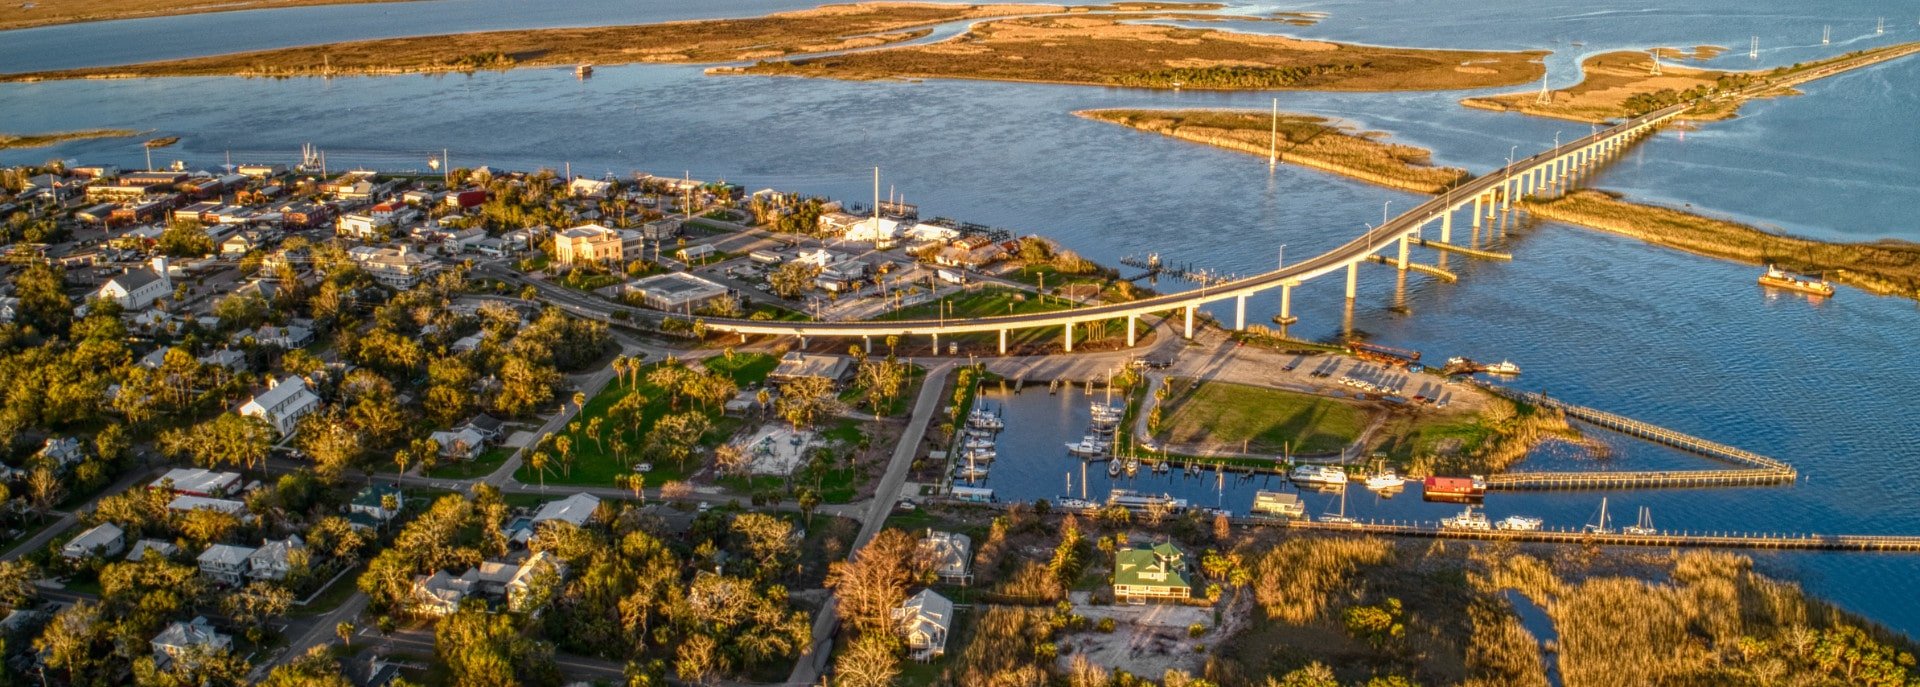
1319,474
1518,523
1386,480
1782,279
1470,520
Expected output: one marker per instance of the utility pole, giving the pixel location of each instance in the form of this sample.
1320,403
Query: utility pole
876,201
1273,137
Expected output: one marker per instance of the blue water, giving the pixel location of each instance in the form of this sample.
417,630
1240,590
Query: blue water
1598,320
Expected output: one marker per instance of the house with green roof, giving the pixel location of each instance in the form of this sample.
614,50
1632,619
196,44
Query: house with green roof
1161,571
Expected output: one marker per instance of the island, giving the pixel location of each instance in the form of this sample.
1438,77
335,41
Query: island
822,29
1107,50
1627,83
1297,139
51,12
8,141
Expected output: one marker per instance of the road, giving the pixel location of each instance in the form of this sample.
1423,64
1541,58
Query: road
70,518
806,671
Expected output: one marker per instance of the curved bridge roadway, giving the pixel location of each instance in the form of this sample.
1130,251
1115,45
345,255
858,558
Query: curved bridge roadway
1544,170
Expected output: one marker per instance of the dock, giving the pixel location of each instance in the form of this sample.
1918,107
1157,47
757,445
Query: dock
1662,539
1463,250
1439,272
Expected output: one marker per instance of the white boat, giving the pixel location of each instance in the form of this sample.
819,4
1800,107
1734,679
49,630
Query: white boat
970,472
982,419
1644,527
1081,505
1088,447
976,443
1385,480
1518,523
1504,367
1113,469
1319,474
1601,525
1340,518
983,455
1469,520
1129,498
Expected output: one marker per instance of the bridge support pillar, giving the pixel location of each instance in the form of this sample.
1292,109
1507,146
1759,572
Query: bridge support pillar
1190,321
1446,226
1353,280
936,343
1506,195
1477,202
1003,342
743,337
1069,337
1403,252
868,340
1286,304
803,342
1240,313
1132,322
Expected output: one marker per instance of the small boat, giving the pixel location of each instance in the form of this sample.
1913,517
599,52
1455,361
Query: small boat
1082,505
1088,447
980,455
1106,413
977,443
583,71
1504,367
1385,480
1128,498
970,472
1319,474
1782,279
1340,518
1470,520
1601,524
1518,523
1644,527
983,419
1113,469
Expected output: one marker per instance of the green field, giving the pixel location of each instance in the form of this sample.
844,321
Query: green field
1224,415
999,301
481,465
596,464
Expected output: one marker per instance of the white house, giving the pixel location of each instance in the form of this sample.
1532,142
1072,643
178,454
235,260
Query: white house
274,559
441,593
226,563
461,443
151,547
183,639
199,482
951,555
874,230
363,227
573,510
283,404
104,540
676,291
137,289
924,620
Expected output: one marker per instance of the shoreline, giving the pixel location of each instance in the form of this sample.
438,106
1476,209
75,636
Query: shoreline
1390,157
1886,268
1619,84
165,11
23,141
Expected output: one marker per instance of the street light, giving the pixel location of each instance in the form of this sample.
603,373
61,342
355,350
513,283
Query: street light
1510,152
1383,212
1283,257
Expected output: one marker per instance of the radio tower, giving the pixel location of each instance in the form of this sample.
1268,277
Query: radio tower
1545,97
1655,54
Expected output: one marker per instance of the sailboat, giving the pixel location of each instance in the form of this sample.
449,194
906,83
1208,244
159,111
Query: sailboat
1644,526
1600,527
1340,517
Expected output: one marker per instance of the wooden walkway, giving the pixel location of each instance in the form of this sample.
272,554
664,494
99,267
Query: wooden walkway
1463,250
1661,539
1754,469
1440,272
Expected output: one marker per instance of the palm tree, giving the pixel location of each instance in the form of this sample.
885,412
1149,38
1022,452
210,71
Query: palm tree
540,466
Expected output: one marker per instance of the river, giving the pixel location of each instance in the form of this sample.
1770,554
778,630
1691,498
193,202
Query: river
1598,320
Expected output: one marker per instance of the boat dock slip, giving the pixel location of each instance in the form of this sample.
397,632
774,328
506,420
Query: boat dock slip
1514,481
1733,540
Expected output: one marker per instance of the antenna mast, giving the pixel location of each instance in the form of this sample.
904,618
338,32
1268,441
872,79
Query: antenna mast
1273,137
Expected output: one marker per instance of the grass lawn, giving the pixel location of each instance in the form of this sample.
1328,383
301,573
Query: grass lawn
1035,275
480,466
855,396
596,464
984,302
744,368
333,596
1225,415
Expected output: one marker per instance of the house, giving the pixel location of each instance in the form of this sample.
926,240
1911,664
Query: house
932,232
1157,572
63,452
690,254
874,230
369,507
198,482
442,593
592,243
795,365
105,540
274,560
182,640
924,620
151,547
574,510
289,337
676,291
400,268
138,288
237,245
283,404
951,555
660,229
838,223
226,563
362,227
590,188
460,443
226,357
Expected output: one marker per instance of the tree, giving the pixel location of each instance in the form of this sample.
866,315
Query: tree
69,641
16,582
805,399
482,649
768,542
870,661
874,580
809,499
791,279
316,668
185,238
44,489
881,379
41,288
1315,674
675,437
256,605
729,459
229,439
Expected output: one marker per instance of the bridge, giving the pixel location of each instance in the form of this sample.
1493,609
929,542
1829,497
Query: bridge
1548,170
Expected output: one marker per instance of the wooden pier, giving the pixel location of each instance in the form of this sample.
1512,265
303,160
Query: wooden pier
1661,539
1463,250
1442,273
